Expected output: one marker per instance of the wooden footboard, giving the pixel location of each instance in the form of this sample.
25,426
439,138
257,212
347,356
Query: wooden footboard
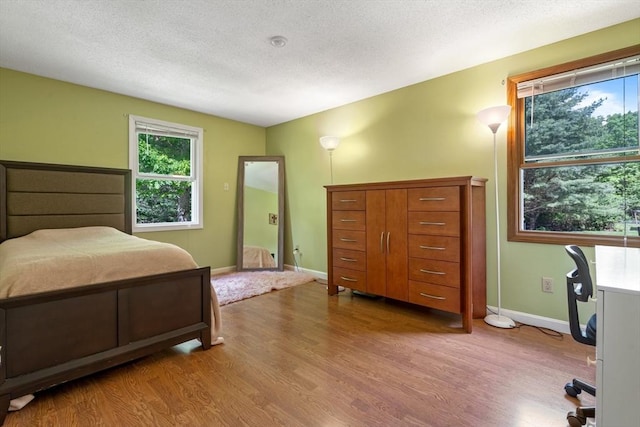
54,337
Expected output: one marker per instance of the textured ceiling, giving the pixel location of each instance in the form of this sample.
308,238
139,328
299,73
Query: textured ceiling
214,56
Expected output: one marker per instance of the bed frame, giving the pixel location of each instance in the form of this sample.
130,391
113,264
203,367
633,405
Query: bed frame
54,337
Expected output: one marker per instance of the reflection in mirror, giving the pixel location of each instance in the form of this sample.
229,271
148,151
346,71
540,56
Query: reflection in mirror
260,213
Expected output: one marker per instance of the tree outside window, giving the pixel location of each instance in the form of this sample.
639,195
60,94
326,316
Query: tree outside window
575,154
166,168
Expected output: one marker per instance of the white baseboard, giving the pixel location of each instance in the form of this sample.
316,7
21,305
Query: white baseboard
319,275
533,320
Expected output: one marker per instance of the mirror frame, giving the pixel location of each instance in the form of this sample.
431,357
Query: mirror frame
240,241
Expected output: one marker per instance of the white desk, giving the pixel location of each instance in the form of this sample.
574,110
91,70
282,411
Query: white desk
618,336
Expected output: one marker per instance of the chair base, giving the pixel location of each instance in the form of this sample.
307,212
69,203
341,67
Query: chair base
575,387
579,417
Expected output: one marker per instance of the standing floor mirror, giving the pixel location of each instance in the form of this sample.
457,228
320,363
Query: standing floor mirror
260,213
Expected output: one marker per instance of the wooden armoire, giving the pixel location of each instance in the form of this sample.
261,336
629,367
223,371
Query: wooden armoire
420,241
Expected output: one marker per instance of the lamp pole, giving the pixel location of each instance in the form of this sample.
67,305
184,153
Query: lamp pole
493,117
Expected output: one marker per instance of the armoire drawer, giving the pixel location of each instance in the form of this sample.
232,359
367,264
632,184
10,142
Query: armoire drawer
352,279
349,220
434,199
435,223
440,297
345,258
348,239
348,201
436,272
444,248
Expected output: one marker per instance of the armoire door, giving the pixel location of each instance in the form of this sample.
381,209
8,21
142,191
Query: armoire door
376,233
387,259
396,244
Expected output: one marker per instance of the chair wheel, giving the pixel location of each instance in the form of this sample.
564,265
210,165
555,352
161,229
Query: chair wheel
576,420
572,390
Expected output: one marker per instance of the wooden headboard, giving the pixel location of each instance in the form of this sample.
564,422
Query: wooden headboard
38,195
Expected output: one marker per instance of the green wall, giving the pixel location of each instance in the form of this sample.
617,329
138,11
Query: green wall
44,120
430,130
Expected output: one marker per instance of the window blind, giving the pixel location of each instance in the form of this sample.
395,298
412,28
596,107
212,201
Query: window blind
598,73
163,130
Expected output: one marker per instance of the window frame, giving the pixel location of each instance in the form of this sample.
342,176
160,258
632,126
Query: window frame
197,195
515,158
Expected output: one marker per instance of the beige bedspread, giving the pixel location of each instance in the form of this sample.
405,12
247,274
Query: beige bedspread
56,259
257,257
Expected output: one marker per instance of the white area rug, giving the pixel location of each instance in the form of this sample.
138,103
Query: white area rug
234,287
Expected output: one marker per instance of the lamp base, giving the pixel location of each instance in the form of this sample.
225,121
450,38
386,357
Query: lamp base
499,321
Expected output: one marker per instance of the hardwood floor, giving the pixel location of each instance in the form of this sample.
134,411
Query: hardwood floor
297,357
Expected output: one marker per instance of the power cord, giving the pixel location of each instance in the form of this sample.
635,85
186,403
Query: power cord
296,251
547,331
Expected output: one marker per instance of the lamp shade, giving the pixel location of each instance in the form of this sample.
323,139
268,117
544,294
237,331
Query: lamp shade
494,116
329,143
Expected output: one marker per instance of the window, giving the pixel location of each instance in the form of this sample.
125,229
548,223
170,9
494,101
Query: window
574,152
166,164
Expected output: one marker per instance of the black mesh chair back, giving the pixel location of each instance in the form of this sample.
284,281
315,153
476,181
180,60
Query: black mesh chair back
579,288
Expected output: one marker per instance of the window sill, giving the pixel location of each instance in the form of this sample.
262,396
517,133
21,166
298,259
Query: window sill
554,238
145,228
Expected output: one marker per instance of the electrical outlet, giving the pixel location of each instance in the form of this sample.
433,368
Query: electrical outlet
547,284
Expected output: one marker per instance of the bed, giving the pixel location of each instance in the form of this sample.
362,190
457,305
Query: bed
257,257
50,337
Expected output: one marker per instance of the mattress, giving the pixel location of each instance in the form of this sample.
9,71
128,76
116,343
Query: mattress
48,259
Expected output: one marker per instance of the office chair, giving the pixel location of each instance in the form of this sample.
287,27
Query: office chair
580,288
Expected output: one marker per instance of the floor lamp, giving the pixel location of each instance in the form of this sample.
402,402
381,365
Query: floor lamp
330,143
493,118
